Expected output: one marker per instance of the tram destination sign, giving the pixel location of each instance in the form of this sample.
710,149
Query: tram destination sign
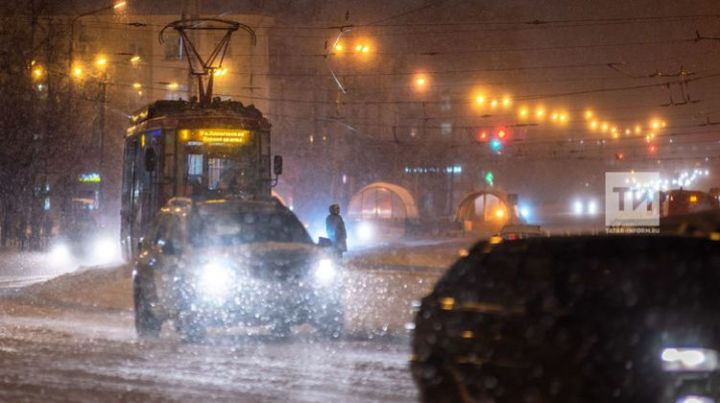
218,136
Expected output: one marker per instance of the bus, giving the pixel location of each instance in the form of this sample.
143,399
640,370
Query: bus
187,149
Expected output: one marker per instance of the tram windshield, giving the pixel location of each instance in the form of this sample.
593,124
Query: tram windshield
220,161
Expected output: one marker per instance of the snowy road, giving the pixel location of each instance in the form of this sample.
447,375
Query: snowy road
72,339
94,359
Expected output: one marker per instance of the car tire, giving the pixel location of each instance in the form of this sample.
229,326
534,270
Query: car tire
190,328
147,325
330,321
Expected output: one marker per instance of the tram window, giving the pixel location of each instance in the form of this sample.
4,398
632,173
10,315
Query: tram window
220,173
194,166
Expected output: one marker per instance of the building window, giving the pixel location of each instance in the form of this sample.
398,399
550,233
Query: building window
445,128
445,104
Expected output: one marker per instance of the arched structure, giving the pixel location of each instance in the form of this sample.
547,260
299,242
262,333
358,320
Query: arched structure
381,210
382,200
486,211
279,197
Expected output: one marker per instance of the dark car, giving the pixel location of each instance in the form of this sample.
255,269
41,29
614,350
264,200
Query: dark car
574,319
234,262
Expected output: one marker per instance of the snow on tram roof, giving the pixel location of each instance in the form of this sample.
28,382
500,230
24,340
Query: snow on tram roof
180,108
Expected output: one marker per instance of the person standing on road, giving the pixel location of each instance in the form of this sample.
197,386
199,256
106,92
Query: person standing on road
335,228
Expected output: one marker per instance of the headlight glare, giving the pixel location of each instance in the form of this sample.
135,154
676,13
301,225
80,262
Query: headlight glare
695,399
216,281
325,271
689,359
60,253
103,250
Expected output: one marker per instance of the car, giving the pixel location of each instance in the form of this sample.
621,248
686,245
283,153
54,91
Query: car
232,262
521,231
626,318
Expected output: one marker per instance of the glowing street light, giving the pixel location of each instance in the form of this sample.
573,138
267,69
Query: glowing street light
420,82
593,125
506,102
120,5
494,103
362,48
137,86
480,100
101,62
77,72
338,47
540,112
135,60
173,86
589,114
523,113
221,72
38,72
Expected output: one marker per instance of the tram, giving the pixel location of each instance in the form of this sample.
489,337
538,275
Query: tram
177,148
201,148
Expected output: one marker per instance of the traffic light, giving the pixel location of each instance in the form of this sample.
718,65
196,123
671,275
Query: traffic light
489,178
499,137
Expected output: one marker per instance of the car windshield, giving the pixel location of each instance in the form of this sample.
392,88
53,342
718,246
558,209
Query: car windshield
247,227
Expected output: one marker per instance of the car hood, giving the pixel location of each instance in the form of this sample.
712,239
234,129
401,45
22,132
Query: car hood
269,259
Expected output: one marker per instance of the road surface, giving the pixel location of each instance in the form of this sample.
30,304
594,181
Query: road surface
72,339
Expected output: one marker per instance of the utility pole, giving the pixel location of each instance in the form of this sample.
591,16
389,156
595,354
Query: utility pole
101,141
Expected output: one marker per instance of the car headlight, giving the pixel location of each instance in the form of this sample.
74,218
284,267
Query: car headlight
695,399
689,359
216,281
325,271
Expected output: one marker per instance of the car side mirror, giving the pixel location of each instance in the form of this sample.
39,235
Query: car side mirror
150,159
324,242
278,165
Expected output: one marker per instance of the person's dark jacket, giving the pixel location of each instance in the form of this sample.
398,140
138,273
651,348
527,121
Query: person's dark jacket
335,228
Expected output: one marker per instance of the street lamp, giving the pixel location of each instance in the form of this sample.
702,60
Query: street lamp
115,6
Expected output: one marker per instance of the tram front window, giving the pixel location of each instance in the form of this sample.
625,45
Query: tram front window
231,171
227,175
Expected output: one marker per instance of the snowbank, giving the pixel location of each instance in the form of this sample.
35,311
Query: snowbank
106,288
